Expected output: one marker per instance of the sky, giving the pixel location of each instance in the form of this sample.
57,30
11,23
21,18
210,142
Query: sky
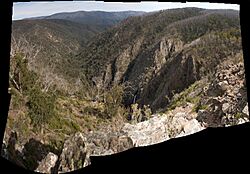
33,9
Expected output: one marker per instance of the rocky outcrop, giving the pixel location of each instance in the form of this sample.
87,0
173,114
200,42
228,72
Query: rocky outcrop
4,152
115,71
245,110
74,154
161,127
226,97
106,143
47,164
164,50
32,155
148,132
185,72
148,65
79,147
190,127
123,61
12,150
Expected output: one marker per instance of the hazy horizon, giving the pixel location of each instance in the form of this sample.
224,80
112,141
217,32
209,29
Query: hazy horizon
22,10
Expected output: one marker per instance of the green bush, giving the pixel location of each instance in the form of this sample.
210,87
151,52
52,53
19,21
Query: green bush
21,78
41,106
136,113
25,84
113,100
147,112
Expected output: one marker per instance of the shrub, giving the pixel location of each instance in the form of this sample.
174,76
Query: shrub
21,78
136,113
113,100
147,112
41,106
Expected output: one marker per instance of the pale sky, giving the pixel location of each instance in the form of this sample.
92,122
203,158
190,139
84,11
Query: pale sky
33,9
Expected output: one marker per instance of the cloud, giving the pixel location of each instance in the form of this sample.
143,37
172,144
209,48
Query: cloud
33,9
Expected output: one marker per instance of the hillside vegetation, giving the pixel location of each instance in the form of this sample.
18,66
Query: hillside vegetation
144,52
116,77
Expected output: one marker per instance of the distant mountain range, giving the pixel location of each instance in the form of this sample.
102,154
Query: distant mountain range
101,19
61,35
97,83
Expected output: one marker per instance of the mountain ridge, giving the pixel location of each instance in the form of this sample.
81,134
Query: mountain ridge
98,18
142,81
149,42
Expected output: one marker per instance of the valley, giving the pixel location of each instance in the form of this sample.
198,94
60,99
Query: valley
97,83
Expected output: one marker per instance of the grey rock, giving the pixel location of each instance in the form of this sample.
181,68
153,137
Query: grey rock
47,163
225,107
106,143
191,127
245,110
148,132
4,152
242,120
74,154
223,85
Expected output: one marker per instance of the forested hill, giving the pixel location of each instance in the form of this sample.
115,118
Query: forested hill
164,51
97,83
100,19
52,41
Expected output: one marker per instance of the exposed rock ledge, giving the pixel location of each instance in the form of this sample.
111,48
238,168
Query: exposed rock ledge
79,147
179,122
159,128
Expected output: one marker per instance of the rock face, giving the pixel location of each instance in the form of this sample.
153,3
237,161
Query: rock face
225,97
32,155
106,143
148,132
160,127
13,151
123,61
179,122
191,127
245,110
186,72
74,154
47,163
4,150
156,62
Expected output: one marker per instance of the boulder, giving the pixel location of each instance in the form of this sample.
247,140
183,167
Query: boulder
4,152
225,107
47,163
223,85
245,110
12,152
178,123
149,132
192,126
242,120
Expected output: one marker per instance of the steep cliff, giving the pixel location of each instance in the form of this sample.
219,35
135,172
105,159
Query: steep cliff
146,80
